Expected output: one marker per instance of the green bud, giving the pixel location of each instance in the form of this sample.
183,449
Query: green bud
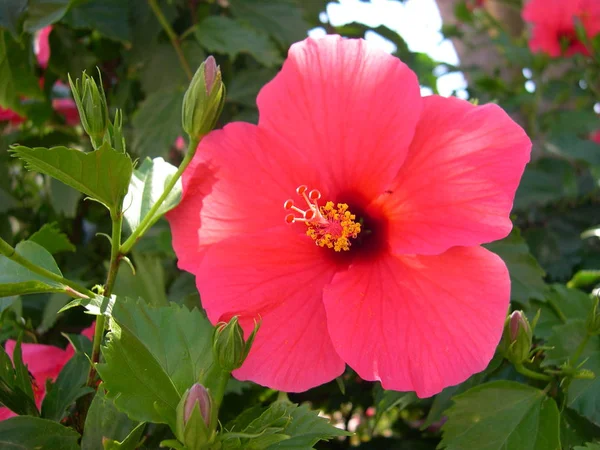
593,320
516,338
92,106
196,418
229,348
204,99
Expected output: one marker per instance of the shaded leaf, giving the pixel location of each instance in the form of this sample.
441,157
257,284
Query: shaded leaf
147,283
52,239
109,17
26,432
11,12
103,174
41,13
221,34
104,420
522,418
526,275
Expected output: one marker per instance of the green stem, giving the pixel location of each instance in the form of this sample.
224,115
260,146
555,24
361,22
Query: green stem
150,218
220,392
115,258
557,310
531,374
172,36
77,290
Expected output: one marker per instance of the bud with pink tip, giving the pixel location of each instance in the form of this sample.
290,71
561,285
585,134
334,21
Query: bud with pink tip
517,338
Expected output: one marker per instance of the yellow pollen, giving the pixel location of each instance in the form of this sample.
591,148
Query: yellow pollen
330,226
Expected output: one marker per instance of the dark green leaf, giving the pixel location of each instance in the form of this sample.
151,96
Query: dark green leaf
144,342
576,430
17,76
146,186
16,279
52,239
26,432
221,34
147,283
104,421
68,387
109,17
64,199
502,415
157,123
11,12
244,87
131,442
16,392
41,13
547,180
103,174
526,275
583,395
282,19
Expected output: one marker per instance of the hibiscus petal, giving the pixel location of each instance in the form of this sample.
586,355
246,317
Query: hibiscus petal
236,184
351,108
43,361
277,277
422,322
459,180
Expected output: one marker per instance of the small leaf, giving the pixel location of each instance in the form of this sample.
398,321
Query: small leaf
26,432
522,418
104,421
139,372
68,387
146,186
16,279
526,275
98,305
221,34
103,174
52,239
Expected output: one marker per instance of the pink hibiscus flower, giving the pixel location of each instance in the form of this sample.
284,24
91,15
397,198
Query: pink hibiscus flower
595,136
41,46
396,191
44,362
553,24
8,115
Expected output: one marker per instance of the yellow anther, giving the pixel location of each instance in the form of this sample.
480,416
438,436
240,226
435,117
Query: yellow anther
336,229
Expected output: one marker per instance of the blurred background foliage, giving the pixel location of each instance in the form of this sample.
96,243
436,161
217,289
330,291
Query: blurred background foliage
145,71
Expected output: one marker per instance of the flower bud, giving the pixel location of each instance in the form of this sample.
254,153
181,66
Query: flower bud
229,348
92,106
204,99
517,337
593,320
196,419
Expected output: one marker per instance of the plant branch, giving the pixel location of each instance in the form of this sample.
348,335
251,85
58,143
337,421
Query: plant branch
172,36
115,258
532,374
9,251
149,219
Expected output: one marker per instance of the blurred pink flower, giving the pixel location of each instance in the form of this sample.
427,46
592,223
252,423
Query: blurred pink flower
8,115
553,24
409,298
41,46
67,108
44,363
595,136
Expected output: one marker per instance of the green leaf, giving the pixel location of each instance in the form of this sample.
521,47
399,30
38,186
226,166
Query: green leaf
52,239
221,34
572,147
98,305
153,356
16,392
545,181
16,279
561,302
526,275
589,446
282,425
131,442
109,17
502,415
576,430
103,174
244,87
64,199
26,432
147,283
282,19
583,395
41,13
157,123
387,400
104,421
68,387
11,12
17,76
50,314
146,186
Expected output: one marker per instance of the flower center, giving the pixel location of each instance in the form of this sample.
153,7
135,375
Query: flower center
329,226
